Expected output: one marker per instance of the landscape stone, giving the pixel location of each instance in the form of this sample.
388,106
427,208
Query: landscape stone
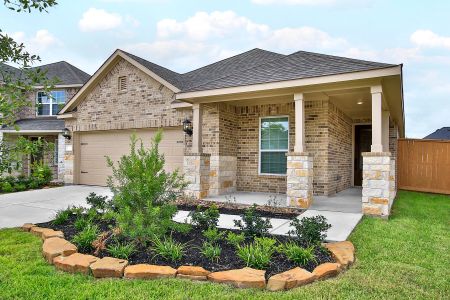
241,278
326,270
56,246
75,263
192,270
49,233
342,252
27,226
108,267
192,277
145,271
37,231
290,279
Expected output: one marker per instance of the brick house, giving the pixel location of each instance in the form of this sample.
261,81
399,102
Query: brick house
302,125
38,118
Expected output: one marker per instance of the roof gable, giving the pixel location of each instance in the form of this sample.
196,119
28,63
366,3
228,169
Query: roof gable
440,134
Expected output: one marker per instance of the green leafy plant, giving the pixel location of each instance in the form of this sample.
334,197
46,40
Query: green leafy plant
213,235
205,219
310,230
235,239
257,254
143,191
81,222
299,255
252,224
98,202
7,187
85,237
20,187
211,251
168,248
119,250
62,216
41,172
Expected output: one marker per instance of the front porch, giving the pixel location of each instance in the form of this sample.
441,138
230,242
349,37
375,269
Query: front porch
307,150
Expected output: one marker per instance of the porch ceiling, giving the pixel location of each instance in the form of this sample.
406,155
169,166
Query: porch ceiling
356,104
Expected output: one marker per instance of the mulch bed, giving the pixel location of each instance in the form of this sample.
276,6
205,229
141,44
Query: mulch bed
192,256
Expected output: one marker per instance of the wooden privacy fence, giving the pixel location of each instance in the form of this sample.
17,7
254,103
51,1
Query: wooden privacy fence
424,165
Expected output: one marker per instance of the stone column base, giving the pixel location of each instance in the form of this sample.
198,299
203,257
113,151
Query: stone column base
196,172
376,193
299,180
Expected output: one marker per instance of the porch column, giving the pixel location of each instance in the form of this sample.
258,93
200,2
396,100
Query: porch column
299,145
377,166
196,164
299,171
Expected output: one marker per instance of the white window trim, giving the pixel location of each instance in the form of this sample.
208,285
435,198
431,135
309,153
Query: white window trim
49,103
259,145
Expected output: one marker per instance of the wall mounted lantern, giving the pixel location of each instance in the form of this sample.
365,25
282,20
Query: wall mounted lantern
66,134
187,127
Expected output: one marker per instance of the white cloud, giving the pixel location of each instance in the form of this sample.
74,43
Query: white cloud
295,2
429,39
98,20
40,41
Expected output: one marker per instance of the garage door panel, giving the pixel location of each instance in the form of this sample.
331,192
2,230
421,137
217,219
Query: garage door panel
95,146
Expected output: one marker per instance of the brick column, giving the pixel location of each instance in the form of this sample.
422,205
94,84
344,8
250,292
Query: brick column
376,193
299,179
61,157
196,172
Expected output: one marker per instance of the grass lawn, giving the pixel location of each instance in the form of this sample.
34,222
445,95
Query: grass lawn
406,257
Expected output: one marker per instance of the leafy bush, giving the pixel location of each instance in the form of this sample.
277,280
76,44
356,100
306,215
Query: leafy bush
299,255
62,216
310,230
81,222
252,224
213,235
168,248
235,239
98,202
144,191
257,254
85,237
7,187
205,219
34,184
211,251
123,251
41,172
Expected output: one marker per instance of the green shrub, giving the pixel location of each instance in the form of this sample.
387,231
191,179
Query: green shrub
252,224
123,251
41,172
235,239
81,222
98,202
143,191
211,251
184,228
213,235
257,254
205,219
85,237
310,230
7,187
62,216
19,187
299,255
168,248
34,184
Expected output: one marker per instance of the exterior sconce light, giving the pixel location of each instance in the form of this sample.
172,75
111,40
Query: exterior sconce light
187,127
66,134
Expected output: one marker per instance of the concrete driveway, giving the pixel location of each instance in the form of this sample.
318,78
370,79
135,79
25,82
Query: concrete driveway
41,205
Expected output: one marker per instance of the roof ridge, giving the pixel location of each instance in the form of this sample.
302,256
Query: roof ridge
131,54
249,68
227,58
341,57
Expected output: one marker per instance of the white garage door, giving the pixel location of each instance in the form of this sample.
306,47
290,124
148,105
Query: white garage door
95,145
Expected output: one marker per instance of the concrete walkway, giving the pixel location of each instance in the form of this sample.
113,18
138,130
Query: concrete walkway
41,205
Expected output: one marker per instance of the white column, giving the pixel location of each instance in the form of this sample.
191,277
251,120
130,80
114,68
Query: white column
377,100
197,128
299,145
385,130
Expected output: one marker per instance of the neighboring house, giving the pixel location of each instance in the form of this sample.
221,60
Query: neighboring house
302,124
440,134
38,119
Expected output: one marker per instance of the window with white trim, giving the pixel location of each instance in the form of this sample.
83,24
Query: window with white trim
273,146
49,104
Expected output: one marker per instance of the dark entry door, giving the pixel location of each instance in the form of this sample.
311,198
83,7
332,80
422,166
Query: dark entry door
363,140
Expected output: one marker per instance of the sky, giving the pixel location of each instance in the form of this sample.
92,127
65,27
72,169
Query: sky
184,35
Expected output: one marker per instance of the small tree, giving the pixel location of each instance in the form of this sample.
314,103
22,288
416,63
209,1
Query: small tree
144,191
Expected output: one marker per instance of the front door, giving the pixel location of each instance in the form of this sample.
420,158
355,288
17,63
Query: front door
363,140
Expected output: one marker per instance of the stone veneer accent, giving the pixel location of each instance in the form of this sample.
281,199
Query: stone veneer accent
196,171
377,196
222,175
61,144
299,179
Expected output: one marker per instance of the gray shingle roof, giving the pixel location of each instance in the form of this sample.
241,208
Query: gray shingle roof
440,134
66,73
38,124
260,66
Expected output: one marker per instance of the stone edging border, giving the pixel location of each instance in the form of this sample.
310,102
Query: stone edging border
64,255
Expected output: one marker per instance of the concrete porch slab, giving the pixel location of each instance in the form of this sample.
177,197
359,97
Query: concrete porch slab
348,200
